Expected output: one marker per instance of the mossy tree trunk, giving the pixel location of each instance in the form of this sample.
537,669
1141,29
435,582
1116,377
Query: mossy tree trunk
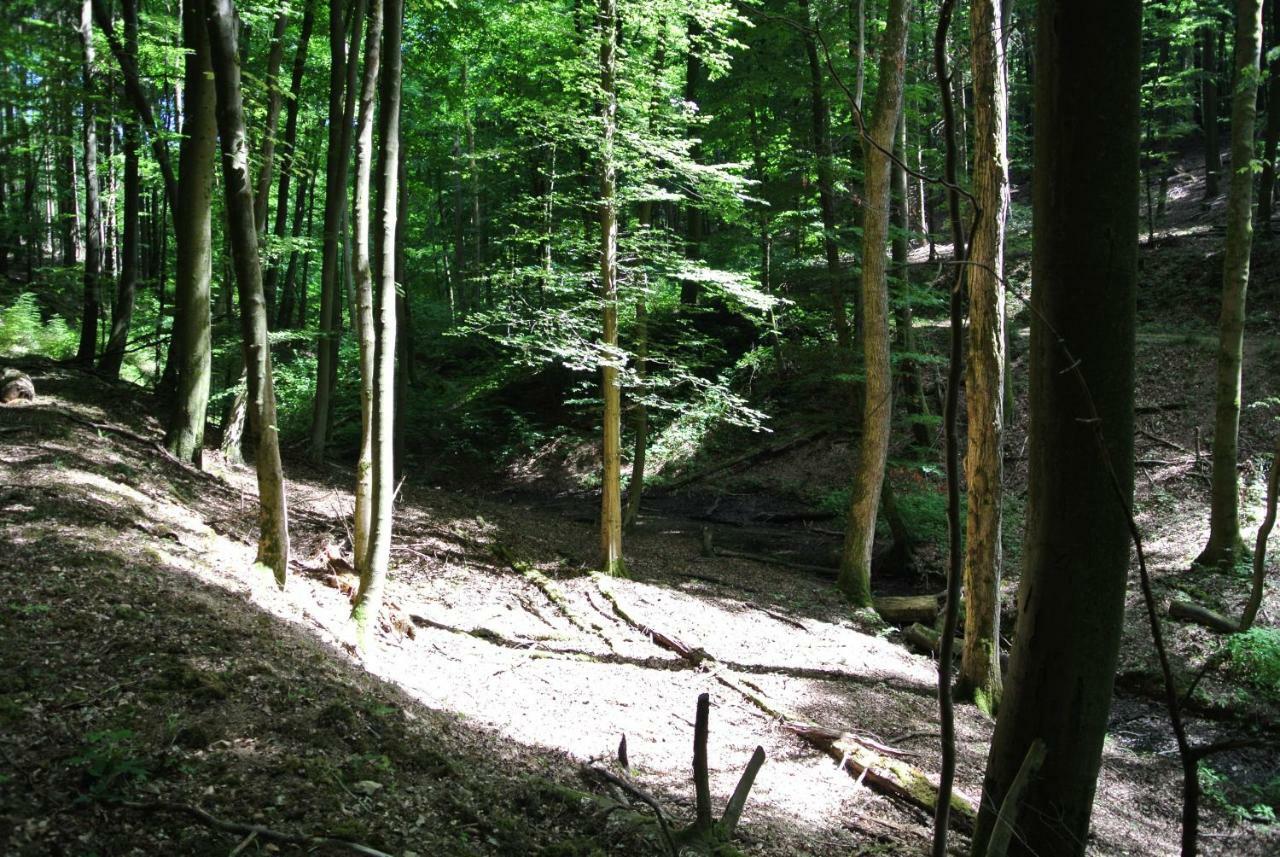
984,379
873,445
192,223
1225,544
1084,270
273,519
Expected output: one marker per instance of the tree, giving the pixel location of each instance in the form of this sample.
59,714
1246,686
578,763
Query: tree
984,379
373,578
1225,544
611,482
88,349
122,309
1084,270
873,445
273,517
192,223
1209,109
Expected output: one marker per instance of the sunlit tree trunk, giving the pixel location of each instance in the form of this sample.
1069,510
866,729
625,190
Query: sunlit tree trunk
1084,272
192,221
611,491
366,333
984,379
1225,545
873,445
92,306
122,309
273,519
373,580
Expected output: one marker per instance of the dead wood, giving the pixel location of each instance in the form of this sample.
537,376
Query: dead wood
924,640
1189,612
746,457
905,609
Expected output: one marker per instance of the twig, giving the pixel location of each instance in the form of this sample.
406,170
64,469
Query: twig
253,829
648,799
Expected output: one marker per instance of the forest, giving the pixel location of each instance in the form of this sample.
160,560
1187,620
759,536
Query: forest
673,427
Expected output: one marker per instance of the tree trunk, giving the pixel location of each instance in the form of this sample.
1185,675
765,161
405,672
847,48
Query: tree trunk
873,445
366,334
635,490
904,315
122,309
820,116
92,306
373,579
1225,545
984,381
273,518
1209,110
1071,599
342,84
695,225
190,348
1267,184
611,492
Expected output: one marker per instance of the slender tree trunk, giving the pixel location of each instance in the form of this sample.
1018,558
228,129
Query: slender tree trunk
904,314
366,334
288,167
122,310
190,348
984,381
342,84
1071,601
820,116
695,217
611,492
873,445
273,517
372,581
303,211
635,490
1209,110
88,349
1225,544
267,155
1266,186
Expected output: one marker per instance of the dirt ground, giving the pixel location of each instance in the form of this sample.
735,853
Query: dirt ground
147,664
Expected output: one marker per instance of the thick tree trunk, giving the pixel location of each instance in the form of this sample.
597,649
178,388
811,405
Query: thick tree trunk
1071,600
372,581
366,334
873,445
342,84
92,306
192,221
984,379
122,309
611,561
1225,545
273,518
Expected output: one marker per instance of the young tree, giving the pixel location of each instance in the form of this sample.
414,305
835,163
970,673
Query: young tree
1084,271
984,380
1225,544
88,349
273,518
1209,109
873,445
611,484
192,222
122,309
372,581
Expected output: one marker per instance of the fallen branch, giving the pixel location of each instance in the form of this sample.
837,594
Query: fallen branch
550,591
1190,612
258,830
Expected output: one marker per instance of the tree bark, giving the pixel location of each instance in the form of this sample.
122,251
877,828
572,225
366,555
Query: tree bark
1084,267
92,305
190,348
122,309
1209,110
342,84
366,334
372,581
273,517
611,492
984,380
1225,544
873,445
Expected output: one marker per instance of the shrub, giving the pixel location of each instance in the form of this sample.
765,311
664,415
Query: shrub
23,332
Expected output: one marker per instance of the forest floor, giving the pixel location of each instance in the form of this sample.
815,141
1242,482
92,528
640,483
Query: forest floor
147,664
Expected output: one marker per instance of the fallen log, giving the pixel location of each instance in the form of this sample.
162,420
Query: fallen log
924,640
1189,612
905,609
